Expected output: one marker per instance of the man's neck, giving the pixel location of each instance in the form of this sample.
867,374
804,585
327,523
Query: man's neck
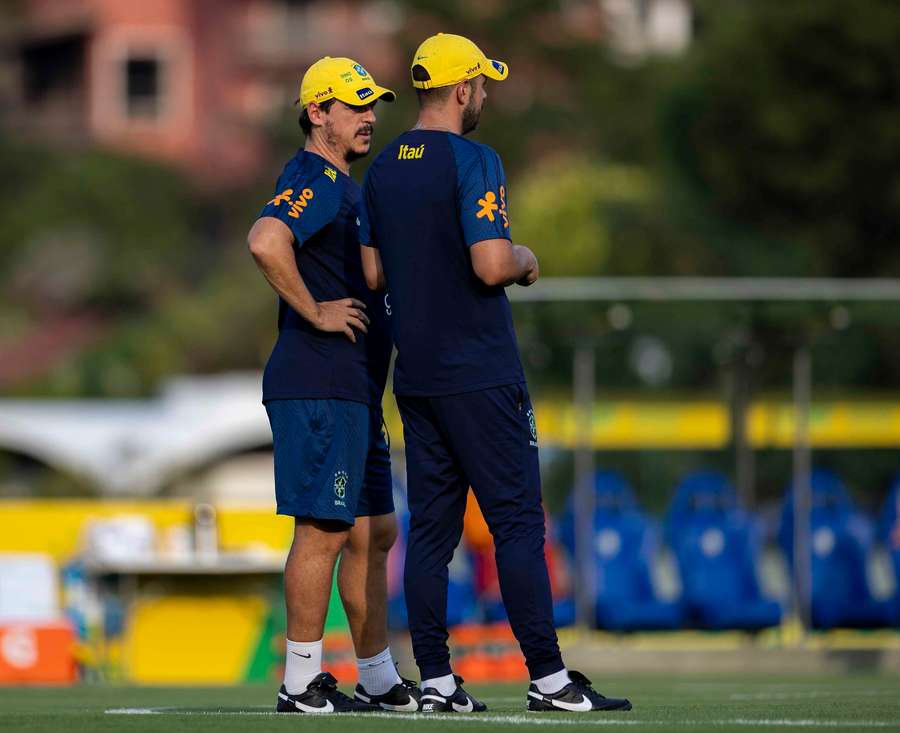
330,154
438,119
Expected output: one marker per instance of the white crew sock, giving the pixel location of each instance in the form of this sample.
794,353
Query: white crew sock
553,682
378,674
303,661
446,685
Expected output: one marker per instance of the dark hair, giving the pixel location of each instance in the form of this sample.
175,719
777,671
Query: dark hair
304,121
435,95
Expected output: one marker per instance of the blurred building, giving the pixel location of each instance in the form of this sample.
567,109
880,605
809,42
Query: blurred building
186,81
210,434
194,81
639,28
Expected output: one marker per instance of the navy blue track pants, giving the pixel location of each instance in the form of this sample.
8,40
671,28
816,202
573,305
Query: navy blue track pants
486,440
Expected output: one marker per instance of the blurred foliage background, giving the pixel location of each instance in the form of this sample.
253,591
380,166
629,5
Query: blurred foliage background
771,147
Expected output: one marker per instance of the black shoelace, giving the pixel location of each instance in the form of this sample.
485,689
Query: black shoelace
327,687
579,679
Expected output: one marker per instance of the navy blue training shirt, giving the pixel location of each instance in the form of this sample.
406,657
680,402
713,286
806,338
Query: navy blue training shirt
427,198
321,206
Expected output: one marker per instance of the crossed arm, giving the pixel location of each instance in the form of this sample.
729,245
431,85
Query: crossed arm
495,262
500,262
271,244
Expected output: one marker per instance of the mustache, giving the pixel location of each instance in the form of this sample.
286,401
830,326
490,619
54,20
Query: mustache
365,130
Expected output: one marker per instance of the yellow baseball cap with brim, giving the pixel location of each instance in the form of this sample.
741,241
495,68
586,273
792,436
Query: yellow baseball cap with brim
341,78
450,59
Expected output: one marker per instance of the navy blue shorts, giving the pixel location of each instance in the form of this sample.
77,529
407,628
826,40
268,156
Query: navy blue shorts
331,459
377,496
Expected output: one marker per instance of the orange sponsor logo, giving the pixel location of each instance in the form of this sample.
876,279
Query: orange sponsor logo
297,204
488,205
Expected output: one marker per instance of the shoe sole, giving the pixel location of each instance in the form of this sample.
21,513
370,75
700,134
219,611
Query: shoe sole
550,709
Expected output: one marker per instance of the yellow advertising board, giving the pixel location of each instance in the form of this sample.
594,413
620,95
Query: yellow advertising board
705,424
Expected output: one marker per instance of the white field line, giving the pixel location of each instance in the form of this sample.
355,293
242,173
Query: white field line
535,719
756,684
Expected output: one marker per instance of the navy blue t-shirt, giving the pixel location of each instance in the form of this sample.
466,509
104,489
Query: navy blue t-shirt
320,205
427,198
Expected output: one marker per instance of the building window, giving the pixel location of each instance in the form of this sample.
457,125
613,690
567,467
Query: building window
143,87
53,68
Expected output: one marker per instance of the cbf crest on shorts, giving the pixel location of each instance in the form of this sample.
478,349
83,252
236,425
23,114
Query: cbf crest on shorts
340,487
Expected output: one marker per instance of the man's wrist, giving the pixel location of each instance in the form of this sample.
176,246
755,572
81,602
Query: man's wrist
310,313
316,316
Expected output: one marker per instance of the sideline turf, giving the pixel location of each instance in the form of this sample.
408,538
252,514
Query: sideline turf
689,703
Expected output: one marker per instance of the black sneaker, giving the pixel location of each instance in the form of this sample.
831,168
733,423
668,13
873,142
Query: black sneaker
321,696
459,702
403,697
576,697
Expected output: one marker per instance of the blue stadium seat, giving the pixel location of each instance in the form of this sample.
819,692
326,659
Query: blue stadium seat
889,534
841,540
561,570
625,543
717,550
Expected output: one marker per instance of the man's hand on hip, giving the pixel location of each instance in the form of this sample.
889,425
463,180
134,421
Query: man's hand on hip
341,316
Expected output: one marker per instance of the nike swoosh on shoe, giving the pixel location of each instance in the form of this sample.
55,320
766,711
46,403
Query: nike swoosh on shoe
409,707
467,708
577,707
326,708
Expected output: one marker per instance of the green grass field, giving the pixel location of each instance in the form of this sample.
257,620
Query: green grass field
689,703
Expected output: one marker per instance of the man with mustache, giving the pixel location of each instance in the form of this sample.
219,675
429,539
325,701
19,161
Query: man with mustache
322,390
435,230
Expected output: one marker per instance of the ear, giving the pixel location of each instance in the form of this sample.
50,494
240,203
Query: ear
463,91
316,113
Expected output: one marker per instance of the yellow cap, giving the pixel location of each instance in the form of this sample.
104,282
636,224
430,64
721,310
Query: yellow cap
341,78
450,59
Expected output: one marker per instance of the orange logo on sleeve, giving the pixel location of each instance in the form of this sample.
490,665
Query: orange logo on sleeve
489,205
283,198
297,205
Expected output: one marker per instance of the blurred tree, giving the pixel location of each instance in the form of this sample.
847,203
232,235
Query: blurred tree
778,147
785,125
561,209
91,228
565,93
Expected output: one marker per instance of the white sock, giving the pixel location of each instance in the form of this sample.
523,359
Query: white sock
446,685
303,661
553,682
378,674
